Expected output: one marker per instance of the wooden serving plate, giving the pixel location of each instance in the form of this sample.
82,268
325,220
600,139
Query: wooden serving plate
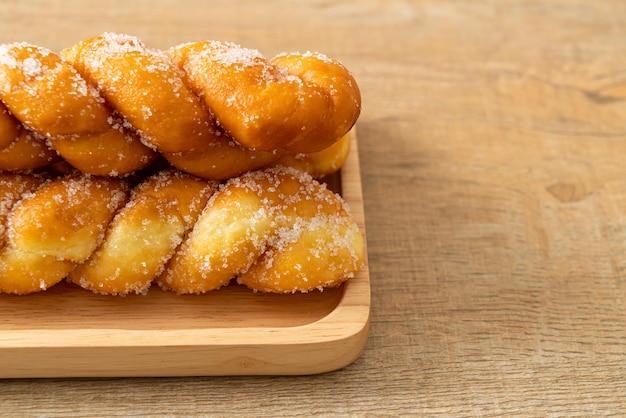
69,332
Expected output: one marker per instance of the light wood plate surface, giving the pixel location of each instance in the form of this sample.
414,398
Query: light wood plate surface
70,332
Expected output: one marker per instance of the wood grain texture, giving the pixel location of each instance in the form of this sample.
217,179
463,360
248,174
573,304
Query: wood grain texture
492,147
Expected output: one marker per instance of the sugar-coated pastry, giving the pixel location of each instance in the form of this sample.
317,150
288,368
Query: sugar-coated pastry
54,228
13,188
9,127
222,160
321,163
48,96
144,234
147,89
295,102
110,105
21,149
274,230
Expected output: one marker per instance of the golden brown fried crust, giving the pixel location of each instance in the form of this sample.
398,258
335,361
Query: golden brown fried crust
274,230
49,97
21,149
54,228
109,105
144,234
297,102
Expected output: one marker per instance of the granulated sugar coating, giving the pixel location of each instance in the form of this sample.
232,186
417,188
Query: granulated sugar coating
55,226
147,89
300,103
58,97
275,230
144,234
48,96
110,105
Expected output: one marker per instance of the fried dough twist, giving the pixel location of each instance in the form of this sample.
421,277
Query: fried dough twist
275,230
110,105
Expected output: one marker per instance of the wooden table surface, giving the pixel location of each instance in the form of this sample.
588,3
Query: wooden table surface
493,149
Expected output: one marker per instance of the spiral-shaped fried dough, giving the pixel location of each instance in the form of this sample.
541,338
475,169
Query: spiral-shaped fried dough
21,149
295,102
275,230
54,228
144,234
110,105
48,96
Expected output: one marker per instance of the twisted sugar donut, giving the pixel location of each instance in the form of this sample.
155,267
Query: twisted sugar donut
21,149
55,227
49,97
147,89
13,188
227,159
144,234
295,102
276,230
212,109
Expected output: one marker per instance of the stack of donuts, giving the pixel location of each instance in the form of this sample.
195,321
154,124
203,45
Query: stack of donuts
123,166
